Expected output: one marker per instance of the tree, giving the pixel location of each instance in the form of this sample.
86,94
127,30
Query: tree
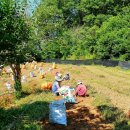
48,20
74,28
113,38
14,37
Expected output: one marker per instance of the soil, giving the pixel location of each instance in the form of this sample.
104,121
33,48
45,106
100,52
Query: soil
80,116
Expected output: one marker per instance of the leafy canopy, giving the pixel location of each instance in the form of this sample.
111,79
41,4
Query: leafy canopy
14,33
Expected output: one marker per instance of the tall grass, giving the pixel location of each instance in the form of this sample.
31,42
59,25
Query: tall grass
109,112
27,112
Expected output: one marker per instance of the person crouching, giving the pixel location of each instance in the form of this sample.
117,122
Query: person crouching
57,83
80,90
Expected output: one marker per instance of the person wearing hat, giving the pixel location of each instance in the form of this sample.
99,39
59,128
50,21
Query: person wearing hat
80,90
57,83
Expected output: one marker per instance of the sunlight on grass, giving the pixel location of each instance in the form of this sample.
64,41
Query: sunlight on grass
102,82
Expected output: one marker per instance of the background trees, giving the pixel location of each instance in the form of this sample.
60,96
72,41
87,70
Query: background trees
113,38
80,29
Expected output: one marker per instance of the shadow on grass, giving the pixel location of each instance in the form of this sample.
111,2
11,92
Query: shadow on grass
25,94
34,116
115,116
37,91
24,117
78,118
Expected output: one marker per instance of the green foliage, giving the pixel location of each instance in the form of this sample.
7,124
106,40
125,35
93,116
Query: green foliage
113,38
83,28
14,34
51,50
49,20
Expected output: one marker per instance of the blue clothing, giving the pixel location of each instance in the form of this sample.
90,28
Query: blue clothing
55,87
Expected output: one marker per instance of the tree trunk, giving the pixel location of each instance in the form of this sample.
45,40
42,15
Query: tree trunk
17,78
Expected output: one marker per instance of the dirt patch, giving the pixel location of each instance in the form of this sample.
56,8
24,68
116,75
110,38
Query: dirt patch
80,116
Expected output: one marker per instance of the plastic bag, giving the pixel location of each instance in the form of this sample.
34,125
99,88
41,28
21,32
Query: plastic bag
69,97
63,90
66,92
58,112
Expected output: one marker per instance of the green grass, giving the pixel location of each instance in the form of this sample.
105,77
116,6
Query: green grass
25,114
115,116
109,112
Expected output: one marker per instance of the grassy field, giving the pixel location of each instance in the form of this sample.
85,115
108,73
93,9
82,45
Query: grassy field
109,87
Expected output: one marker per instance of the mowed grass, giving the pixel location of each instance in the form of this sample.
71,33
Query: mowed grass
108,86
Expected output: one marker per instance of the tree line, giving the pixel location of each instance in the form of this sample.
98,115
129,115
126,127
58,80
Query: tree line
83,29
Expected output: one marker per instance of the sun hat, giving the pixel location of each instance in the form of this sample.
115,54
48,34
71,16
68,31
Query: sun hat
79,82
58,77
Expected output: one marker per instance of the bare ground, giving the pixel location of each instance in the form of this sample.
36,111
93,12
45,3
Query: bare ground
81,116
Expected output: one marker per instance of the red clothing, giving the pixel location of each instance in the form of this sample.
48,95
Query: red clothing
81,90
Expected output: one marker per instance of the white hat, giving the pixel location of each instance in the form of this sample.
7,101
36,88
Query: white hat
79,82
58,77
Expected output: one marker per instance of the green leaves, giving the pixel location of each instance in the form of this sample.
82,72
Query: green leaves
113,38
79,28
15,34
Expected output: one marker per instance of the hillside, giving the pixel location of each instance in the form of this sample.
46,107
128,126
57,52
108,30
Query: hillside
109,98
